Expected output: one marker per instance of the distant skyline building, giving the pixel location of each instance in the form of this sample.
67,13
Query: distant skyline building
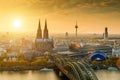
66,34
106,33
43,43
76,27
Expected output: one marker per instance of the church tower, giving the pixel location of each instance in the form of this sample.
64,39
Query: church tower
39,31
42,42
45,34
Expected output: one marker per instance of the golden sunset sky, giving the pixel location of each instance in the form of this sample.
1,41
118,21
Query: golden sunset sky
92,16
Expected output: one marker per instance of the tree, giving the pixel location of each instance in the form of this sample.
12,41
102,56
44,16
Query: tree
118,63
94,62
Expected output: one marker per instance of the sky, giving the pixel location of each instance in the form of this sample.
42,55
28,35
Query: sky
92,16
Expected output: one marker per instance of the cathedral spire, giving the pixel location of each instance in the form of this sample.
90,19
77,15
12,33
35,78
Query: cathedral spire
45,35
45,24
39,31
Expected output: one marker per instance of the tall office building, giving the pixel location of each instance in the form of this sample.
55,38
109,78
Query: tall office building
106,33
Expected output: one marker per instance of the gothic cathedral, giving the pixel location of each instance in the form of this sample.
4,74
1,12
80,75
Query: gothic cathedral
42,42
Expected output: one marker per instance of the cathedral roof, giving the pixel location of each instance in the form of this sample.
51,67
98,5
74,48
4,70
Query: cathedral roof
48,40
44,40
39,40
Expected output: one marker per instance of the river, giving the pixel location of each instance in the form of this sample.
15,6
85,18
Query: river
108,75
28,75
51,75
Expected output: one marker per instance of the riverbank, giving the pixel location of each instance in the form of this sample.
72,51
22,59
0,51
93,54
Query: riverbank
109,68
29,75
107,75
20,68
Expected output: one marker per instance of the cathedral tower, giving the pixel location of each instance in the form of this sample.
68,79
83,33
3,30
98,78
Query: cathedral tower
45,34
39,31
44,43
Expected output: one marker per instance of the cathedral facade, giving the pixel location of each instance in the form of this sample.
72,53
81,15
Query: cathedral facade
42,42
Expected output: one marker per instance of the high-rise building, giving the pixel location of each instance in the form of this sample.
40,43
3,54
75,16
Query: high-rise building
43,43
106,33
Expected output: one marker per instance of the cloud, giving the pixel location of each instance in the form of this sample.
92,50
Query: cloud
65,6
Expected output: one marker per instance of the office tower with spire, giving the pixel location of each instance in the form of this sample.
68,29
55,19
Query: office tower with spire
106,34
44,43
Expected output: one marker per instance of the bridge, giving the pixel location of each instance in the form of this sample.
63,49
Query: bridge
75,70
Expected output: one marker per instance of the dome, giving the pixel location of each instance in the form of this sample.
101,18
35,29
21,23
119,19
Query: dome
98,56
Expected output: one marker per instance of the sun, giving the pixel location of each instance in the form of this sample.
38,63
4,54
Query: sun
17,23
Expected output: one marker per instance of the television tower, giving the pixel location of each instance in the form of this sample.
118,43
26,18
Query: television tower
76,27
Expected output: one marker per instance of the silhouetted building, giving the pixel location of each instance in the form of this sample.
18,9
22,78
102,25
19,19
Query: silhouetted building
46,35
43,43
76,27
106,33
39,31
66,34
